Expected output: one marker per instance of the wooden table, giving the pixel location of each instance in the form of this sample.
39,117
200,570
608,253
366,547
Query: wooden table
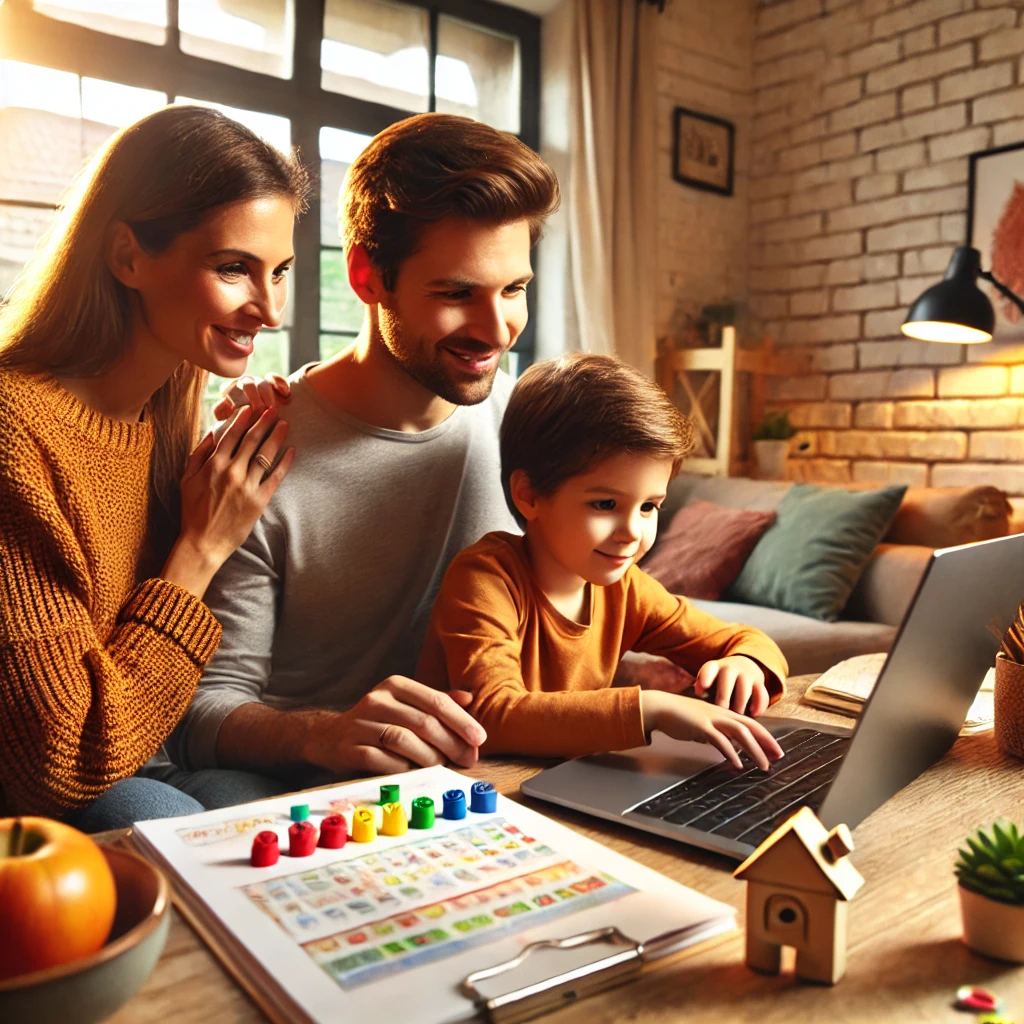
905,962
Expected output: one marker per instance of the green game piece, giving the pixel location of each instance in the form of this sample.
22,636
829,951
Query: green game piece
300,812
389,793
422,812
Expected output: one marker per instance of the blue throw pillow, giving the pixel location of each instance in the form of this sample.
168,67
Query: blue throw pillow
810,559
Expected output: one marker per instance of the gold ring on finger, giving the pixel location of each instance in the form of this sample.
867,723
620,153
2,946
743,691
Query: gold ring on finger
263,461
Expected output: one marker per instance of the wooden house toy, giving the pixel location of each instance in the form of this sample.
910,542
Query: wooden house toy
798,883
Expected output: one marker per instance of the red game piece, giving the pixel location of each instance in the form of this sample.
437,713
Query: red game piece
265,850
301,839
333,832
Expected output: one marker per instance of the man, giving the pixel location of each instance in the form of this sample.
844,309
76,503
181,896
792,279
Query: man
397,469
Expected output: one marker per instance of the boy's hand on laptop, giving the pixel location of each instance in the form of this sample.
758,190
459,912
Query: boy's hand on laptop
738,681
685,718
400,724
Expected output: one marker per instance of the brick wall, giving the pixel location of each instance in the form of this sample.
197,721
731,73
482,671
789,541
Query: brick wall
705,63
865,112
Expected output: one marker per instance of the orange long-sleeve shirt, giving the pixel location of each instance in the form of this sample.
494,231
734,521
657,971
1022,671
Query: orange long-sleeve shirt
541,683
95,671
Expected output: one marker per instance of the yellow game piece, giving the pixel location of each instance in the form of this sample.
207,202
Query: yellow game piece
364,828
395,821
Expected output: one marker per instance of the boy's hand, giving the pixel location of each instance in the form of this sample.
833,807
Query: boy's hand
684,718
739,683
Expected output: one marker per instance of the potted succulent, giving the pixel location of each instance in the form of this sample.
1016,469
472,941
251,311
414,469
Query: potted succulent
991,875
771,446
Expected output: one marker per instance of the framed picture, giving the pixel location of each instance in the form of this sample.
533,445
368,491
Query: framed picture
995,227
702,151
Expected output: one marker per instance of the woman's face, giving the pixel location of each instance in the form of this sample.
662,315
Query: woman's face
205,298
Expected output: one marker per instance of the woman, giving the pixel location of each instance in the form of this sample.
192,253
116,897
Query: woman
168,257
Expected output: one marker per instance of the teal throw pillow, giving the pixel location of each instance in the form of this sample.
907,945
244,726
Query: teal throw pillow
810,559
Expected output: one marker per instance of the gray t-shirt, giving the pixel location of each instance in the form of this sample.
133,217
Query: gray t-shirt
333,589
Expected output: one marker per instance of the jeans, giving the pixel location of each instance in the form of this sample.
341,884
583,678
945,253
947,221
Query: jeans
218,787
131,800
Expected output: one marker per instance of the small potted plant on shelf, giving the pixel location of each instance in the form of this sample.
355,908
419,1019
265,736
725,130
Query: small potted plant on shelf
771,446
991,875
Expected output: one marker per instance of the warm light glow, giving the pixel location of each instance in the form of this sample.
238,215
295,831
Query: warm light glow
938,330
270,127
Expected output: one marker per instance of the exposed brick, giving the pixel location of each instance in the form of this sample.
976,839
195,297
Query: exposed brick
1017,380
870,58
917,69
867,111
873,415
925,231
917,97
800,156
897,208
973,381
900,158
791,68
792,227
820,471
946,147
865,296
1007,477
811,303
787,279
953,227
952,172
1002,44
998,445
906,352
824,329
812,129
811,388
849,271
895,444
824,197
875,186
771,123
960,412
821,414
771,19
876,268
926,261
920,39
839,94
1002,352
831,247
882,384
1000,106
770,209
913,474
768,307
839,147
1010,132
978,23
884,323
969,84
771,187
916,126
803,36
834,358
909,290
914,15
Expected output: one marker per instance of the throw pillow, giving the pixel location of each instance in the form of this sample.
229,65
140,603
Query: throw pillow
810,559
705,547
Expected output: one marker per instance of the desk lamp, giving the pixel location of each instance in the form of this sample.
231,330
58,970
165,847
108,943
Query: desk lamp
956,310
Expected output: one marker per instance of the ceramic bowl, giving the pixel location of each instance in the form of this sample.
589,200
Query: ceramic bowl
94,987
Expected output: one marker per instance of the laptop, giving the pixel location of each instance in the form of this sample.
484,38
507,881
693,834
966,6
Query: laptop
966,599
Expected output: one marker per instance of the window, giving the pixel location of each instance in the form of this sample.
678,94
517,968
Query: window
73,71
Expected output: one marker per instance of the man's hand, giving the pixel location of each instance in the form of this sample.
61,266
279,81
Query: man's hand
400,724
261,395
738,681
651,672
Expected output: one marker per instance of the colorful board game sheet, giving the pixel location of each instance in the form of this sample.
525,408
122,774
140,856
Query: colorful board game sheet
403,914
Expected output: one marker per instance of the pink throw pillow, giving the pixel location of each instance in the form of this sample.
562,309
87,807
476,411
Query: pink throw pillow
705,547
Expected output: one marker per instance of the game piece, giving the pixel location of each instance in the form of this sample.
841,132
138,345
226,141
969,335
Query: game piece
266,850
333,832
977,999
799,882
483,798
389,793
364,828
395,822
454,804
422,812
301,839
300,812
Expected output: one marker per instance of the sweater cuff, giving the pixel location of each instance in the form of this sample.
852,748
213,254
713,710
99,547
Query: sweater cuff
173,612
631,716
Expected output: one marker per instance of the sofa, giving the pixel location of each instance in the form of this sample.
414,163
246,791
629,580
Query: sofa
927,518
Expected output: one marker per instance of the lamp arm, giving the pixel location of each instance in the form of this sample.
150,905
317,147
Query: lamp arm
1002,289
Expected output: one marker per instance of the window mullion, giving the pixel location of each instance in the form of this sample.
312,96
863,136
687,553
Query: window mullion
435,20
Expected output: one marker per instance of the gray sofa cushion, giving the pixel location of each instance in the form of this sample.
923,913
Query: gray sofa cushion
808,644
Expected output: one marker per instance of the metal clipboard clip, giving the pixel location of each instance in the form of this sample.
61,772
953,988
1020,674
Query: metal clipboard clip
622,963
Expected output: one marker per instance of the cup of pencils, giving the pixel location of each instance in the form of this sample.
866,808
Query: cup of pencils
1009,689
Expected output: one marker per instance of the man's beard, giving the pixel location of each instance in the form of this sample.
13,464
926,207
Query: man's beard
427,370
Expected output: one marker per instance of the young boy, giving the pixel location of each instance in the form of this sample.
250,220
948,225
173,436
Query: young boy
534,626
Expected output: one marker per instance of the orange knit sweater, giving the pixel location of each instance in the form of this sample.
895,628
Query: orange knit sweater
95,671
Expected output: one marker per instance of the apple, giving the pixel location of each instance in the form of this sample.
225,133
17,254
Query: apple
57,895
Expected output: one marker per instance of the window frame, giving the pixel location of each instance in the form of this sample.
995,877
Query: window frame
34,38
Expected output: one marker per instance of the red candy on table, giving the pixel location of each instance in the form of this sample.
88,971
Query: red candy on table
265,850
301,839
333,832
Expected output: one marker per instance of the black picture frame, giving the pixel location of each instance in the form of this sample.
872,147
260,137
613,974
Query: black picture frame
995,209
703,151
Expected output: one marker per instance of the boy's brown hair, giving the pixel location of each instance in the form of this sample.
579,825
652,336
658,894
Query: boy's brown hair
431,166
565,415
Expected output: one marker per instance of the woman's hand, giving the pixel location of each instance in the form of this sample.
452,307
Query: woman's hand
268,393
227,483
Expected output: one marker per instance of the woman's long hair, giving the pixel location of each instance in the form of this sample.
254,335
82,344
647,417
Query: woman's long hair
68,314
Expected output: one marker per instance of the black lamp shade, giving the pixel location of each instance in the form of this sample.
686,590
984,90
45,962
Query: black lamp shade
956,309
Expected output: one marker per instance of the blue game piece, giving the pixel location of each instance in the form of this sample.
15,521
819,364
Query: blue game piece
454,804
483,798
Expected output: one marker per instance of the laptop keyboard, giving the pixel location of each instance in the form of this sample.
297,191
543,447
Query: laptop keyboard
748,804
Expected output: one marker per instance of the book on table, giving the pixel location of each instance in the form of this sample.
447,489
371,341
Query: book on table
392,928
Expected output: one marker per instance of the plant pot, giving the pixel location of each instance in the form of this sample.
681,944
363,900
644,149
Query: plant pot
1009,706
770,459
992,928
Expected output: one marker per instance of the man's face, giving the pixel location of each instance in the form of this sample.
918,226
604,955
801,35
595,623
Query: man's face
458,304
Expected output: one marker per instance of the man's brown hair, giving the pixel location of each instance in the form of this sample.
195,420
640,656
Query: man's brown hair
566,415
431,166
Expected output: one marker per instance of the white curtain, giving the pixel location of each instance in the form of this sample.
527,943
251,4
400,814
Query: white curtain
612,186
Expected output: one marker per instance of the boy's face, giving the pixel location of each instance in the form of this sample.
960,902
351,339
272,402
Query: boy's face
599,523
458,305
